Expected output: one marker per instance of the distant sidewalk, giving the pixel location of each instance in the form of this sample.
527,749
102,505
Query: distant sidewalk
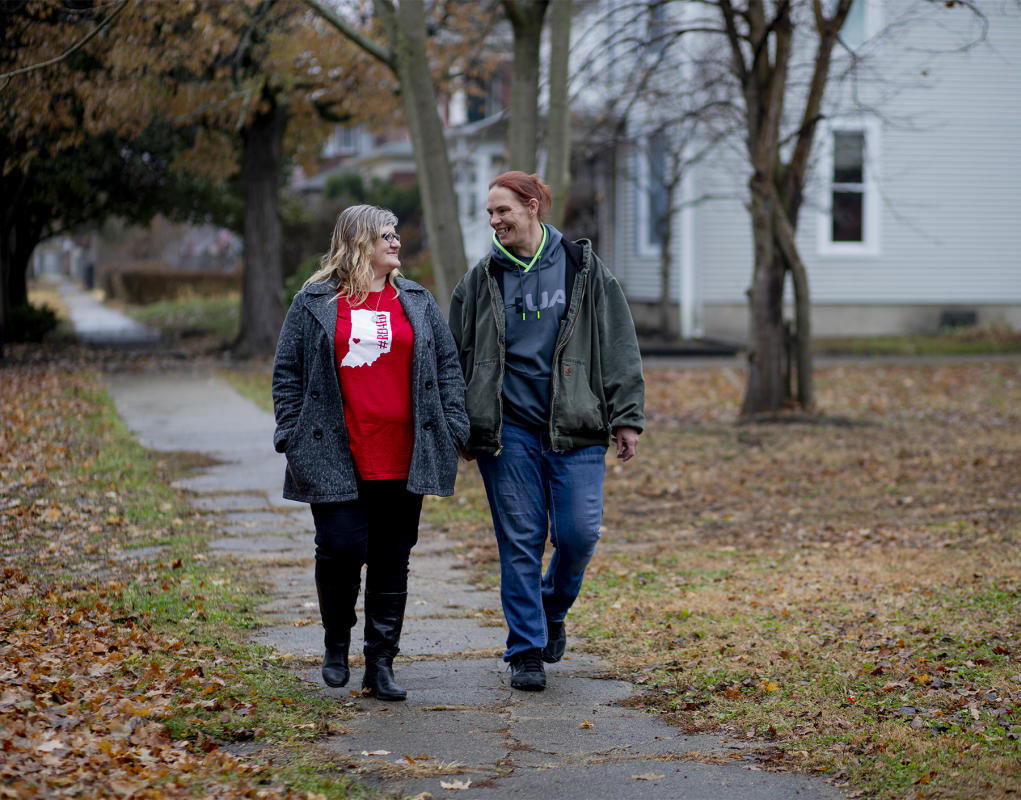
94,323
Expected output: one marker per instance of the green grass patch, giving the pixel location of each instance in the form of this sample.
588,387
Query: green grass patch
973,340
216,318
254,384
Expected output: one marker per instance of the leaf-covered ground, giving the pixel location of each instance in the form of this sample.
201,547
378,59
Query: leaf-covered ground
844,591
123,669
841,592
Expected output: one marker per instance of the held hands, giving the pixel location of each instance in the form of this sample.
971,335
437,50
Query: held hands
627,442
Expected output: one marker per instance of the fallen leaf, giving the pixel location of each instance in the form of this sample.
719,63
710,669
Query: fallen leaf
648,776
456,784
375,752
49,746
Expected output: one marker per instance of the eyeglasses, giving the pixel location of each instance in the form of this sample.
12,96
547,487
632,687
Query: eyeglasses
391,237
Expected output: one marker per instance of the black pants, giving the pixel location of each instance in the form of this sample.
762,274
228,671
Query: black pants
378,529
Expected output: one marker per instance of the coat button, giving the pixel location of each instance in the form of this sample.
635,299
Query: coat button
428,426
315,394
317,434
428,384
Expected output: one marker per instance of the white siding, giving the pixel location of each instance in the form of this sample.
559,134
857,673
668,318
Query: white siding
950,178
723,228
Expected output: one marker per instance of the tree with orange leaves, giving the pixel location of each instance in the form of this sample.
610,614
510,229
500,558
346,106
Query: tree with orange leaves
247,82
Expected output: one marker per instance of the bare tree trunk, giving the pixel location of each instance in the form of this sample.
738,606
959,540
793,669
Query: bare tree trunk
17,241
526,18
5,297
803,341
262,310
21,257
558,166
666,314
766,388
404,26
435,179
802,352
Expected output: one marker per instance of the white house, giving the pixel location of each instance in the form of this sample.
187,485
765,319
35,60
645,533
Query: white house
913,214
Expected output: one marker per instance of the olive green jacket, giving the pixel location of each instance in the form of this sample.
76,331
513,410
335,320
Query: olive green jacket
596,381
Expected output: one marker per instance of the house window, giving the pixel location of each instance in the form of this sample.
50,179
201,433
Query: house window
343,142
853,31
848,193
652,198
849,222
861,23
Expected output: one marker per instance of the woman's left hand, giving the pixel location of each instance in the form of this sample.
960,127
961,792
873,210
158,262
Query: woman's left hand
627,443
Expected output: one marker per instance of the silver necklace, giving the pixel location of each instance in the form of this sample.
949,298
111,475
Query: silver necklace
375,311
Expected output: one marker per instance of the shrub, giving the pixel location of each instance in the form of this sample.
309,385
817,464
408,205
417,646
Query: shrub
30,323
293,284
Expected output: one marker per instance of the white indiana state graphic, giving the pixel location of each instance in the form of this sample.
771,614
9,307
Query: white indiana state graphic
370,337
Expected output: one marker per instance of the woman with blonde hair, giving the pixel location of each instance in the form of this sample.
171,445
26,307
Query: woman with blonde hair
369,402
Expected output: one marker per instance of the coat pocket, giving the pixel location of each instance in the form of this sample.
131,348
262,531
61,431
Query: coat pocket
482,397
578,410
305,453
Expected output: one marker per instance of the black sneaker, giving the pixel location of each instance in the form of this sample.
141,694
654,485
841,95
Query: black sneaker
556,642
527,672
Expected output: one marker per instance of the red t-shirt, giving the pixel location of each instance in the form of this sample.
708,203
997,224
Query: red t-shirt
374,347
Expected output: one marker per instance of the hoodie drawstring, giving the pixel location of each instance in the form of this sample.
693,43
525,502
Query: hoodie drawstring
523,268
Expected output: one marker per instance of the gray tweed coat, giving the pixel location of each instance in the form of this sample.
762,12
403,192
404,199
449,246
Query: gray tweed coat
310,414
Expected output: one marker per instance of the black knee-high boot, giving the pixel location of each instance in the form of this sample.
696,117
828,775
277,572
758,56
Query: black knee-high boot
384,619
338,593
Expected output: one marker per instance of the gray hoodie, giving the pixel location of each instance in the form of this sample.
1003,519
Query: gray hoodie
535,302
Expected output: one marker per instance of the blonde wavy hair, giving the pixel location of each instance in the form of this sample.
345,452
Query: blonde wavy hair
349,261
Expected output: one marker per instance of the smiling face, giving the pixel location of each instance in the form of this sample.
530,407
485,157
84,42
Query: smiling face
384,254
516,223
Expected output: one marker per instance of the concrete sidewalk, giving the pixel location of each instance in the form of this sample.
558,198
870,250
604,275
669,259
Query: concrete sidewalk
460,710
95,323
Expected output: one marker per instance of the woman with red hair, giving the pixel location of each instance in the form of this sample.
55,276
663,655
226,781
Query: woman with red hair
553,374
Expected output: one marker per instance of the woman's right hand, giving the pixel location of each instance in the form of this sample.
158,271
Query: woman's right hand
465,454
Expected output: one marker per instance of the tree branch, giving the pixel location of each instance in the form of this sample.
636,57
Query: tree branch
735,41
828,30
371,47
5,77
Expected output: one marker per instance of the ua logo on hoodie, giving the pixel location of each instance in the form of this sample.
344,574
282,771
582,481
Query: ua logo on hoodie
559,299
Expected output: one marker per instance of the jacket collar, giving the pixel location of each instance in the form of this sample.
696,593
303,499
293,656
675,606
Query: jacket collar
320,300
330,287
488,262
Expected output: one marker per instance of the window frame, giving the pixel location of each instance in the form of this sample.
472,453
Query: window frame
644,244
872,20
870,245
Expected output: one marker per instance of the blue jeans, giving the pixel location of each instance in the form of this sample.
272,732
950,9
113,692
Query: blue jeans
534,492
